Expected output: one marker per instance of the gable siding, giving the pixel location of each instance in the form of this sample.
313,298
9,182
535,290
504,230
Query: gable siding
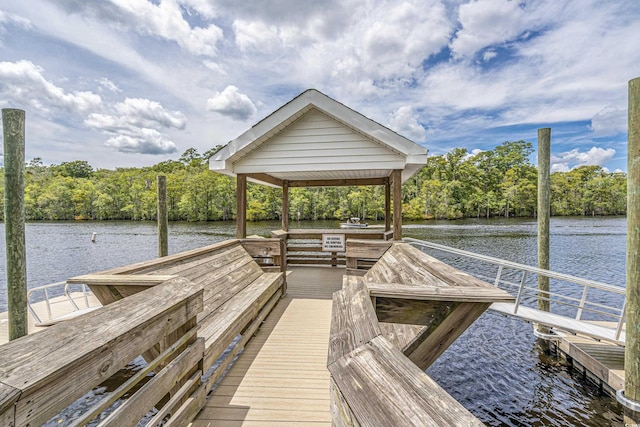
317,142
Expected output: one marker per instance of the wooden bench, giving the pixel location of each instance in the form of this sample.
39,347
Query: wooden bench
372,382
43,373
238,295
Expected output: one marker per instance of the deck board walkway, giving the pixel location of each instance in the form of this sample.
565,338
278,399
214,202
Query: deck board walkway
281,378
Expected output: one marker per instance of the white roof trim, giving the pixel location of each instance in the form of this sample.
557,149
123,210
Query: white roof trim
223,161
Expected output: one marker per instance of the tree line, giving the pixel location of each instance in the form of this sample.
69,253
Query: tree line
498,182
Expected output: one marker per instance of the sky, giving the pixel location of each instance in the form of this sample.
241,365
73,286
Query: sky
130,83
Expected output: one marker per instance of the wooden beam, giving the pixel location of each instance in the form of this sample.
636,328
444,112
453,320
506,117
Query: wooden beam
266,178
285,206
397,204
387,206
438,293
124,279
163,219
337,182
241,209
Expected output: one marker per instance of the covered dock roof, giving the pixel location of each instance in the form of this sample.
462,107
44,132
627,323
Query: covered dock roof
314,140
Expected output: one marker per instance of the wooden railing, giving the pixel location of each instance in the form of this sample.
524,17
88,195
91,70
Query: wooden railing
362,254
44,373
304,247
270,254
372,382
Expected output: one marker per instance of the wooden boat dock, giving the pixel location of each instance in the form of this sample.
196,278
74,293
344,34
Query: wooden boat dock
295,340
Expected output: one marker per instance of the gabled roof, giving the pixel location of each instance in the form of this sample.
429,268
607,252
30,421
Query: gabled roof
314,137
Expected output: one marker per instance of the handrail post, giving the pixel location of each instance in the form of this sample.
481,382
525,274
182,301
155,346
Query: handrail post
623,313
498,276
520,292
583,301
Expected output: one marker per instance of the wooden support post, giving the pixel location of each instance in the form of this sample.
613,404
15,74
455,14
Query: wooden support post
285,206
13,128
632,347
544,213
241,210
397,204
387,206
163,218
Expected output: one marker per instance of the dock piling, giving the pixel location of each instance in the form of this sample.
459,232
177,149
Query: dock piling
13,130
632,348
544,213
163,222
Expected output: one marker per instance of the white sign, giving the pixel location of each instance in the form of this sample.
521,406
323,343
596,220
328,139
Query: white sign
333,243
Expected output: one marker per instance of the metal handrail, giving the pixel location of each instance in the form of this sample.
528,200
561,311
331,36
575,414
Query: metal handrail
66,292
581,304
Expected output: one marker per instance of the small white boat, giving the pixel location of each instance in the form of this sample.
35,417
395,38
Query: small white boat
353,222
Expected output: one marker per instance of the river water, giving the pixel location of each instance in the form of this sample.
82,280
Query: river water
494,369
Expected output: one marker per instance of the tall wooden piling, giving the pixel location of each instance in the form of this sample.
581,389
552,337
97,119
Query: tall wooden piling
632,348
544,213
163,217
13,130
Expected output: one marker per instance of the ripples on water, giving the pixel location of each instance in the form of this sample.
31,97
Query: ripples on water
494,369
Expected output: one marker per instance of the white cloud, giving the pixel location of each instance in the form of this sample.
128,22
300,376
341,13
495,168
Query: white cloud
147,113
164,20
10,18
135,126
230,102
146,141
486,23
405,122
256,35
609,121
106,84
595,156
23,83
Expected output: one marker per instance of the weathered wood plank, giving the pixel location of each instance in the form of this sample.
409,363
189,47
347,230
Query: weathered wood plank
384,388
341,413
222,326
120,279
411,312
208,262
8,397
400,335
369,249
353,321
137,405
246,336
438,293
428,346
262,247
80,353
190,255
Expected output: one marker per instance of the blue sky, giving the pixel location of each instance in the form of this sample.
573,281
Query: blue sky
124,83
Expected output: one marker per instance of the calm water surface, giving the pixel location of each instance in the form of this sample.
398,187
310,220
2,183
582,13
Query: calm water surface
494,369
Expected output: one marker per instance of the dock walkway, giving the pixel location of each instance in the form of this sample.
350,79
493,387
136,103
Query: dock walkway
281,378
